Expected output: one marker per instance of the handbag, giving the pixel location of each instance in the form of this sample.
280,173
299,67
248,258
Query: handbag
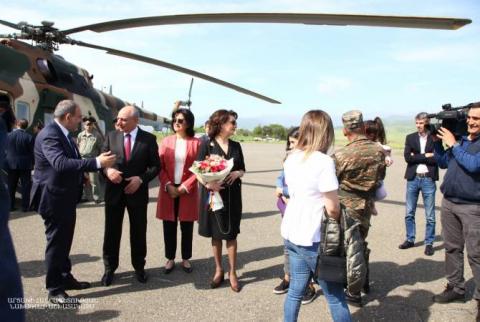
281,205
332,260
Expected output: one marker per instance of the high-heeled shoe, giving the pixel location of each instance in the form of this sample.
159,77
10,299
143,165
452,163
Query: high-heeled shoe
216,283
236,288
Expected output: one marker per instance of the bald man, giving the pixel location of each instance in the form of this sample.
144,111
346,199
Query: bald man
127,187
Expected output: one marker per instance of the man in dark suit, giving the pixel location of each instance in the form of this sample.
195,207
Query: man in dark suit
10,283
56,190
421,174
127,187
19,161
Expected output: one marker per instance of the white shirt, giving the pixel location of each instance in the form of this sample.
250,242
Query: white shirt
180,155
422,168
307,180
133,136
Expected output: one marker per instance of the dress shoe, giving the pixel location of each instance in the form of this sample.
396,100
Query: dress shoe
141,276
217,282
406,244
73,284
107,279
449,295
235,287
169,266
187,266
62,298
429,250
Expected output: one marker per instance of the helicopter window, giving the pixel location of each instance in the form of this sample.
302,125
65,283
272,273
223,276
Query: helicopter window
22,111
46,69
47,118
101,126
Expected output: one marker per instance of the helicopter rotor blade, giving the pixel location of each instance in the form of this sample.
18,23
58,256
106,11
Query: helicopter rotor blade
190,90
294,18
10,24
177,68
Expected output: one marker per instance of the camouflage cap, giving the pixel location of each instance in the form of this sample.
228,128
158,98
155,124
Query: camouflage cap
352,119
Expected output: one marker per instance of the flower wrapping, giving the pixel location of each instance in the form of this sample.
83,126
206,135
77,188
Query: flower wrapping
213,168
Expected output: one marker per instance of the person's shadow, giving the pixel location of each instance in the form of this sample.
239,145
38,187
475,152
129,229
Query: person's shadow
386,277
36,268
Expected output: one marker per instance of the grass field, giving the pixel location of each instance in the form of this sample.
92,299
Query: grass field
395,136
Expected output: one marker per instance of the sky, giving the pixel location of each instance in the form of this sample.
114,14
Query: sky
386,72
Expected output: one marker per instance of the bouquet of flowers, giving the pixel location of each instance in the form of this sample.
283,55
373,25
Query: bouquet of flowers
213,168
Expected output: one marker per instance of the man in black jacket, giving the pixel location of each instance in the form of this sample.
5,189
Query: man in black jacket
127,187
421,174
19,161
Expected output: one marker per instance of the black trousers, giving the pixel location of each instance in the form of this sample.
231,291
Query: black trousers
170,235
59,229
137,214
25,178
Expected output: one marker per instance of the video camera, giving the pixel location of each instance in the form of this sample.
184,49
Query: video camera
453,119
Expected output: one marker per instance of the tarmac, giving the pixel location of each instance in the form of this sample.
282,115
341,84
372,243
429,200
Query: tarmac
402,281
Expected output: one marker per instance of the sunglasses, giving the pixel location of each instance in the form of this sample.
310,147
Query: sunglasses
179,121
233,122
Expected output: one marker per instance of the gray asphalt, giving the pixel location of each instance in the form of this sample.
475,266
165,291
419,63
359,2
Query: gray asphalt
403,281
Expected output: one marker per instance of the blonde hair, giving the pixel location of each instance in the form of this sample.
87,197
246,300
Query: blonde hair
316,132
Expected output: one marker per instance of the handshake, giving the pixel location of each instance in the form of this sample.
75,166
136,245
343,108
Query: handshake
107,159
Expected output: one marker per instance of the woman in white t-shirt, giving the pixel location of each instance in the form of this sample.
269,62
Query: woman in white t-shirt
312,184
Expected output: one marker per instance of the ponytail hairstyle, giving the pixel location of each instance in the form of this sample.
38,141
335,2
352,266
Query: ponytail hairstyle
375,131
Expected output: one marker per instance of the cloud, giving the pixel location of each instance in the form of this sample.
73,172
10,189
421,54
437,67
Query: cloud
334,85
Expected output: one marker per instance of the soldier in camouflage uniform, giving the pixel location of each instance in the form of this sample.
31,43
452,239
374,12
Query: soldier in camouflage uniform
90,143
360,167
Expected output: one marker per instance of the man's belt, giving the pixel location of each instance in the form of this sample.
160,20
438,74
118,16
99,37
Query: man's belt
355,194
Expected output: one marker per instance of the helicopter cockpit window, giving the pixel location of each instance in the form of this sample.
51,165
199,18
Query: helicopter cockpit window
46,69
22,110
66,77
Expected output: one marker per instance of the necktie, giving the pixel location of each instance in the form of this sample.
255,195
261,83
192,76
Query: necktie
128,146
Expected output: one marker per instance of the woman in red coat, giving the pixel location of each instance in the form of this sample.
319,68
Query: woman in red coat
178,193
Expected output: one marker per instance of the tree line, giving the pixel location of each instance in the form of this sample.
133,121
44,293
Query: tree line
275,131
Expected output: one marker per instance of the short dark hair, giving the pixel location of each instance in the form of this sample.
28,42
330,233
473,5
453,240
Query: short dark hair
217,119
189,119
22,123
421,116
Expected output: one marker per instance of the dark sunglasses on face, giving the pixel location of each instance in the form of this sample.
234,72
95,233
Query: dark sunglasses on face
233,122
179,121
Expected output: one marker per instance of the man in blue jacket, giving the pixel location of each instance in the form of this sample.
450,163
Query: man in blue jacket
56,190
460,213
19,160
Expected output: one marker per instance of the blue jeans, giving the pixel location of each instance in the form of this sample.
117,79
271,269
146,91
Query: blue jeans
303,260
428,187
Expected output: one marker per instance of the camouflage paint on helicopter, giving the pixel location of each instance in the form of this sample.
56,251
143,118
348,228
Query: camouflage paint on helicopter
36,80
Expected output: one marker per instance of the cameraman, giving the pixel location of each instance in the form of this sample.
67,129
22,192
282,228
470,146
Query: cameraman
460,212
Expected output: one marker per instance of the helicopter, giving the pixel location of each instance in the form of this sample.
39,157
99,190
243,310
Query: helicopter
35,79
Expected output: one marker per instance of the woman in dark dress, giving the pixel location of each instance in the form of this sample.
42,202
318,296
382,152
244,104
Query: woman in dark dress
223,224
